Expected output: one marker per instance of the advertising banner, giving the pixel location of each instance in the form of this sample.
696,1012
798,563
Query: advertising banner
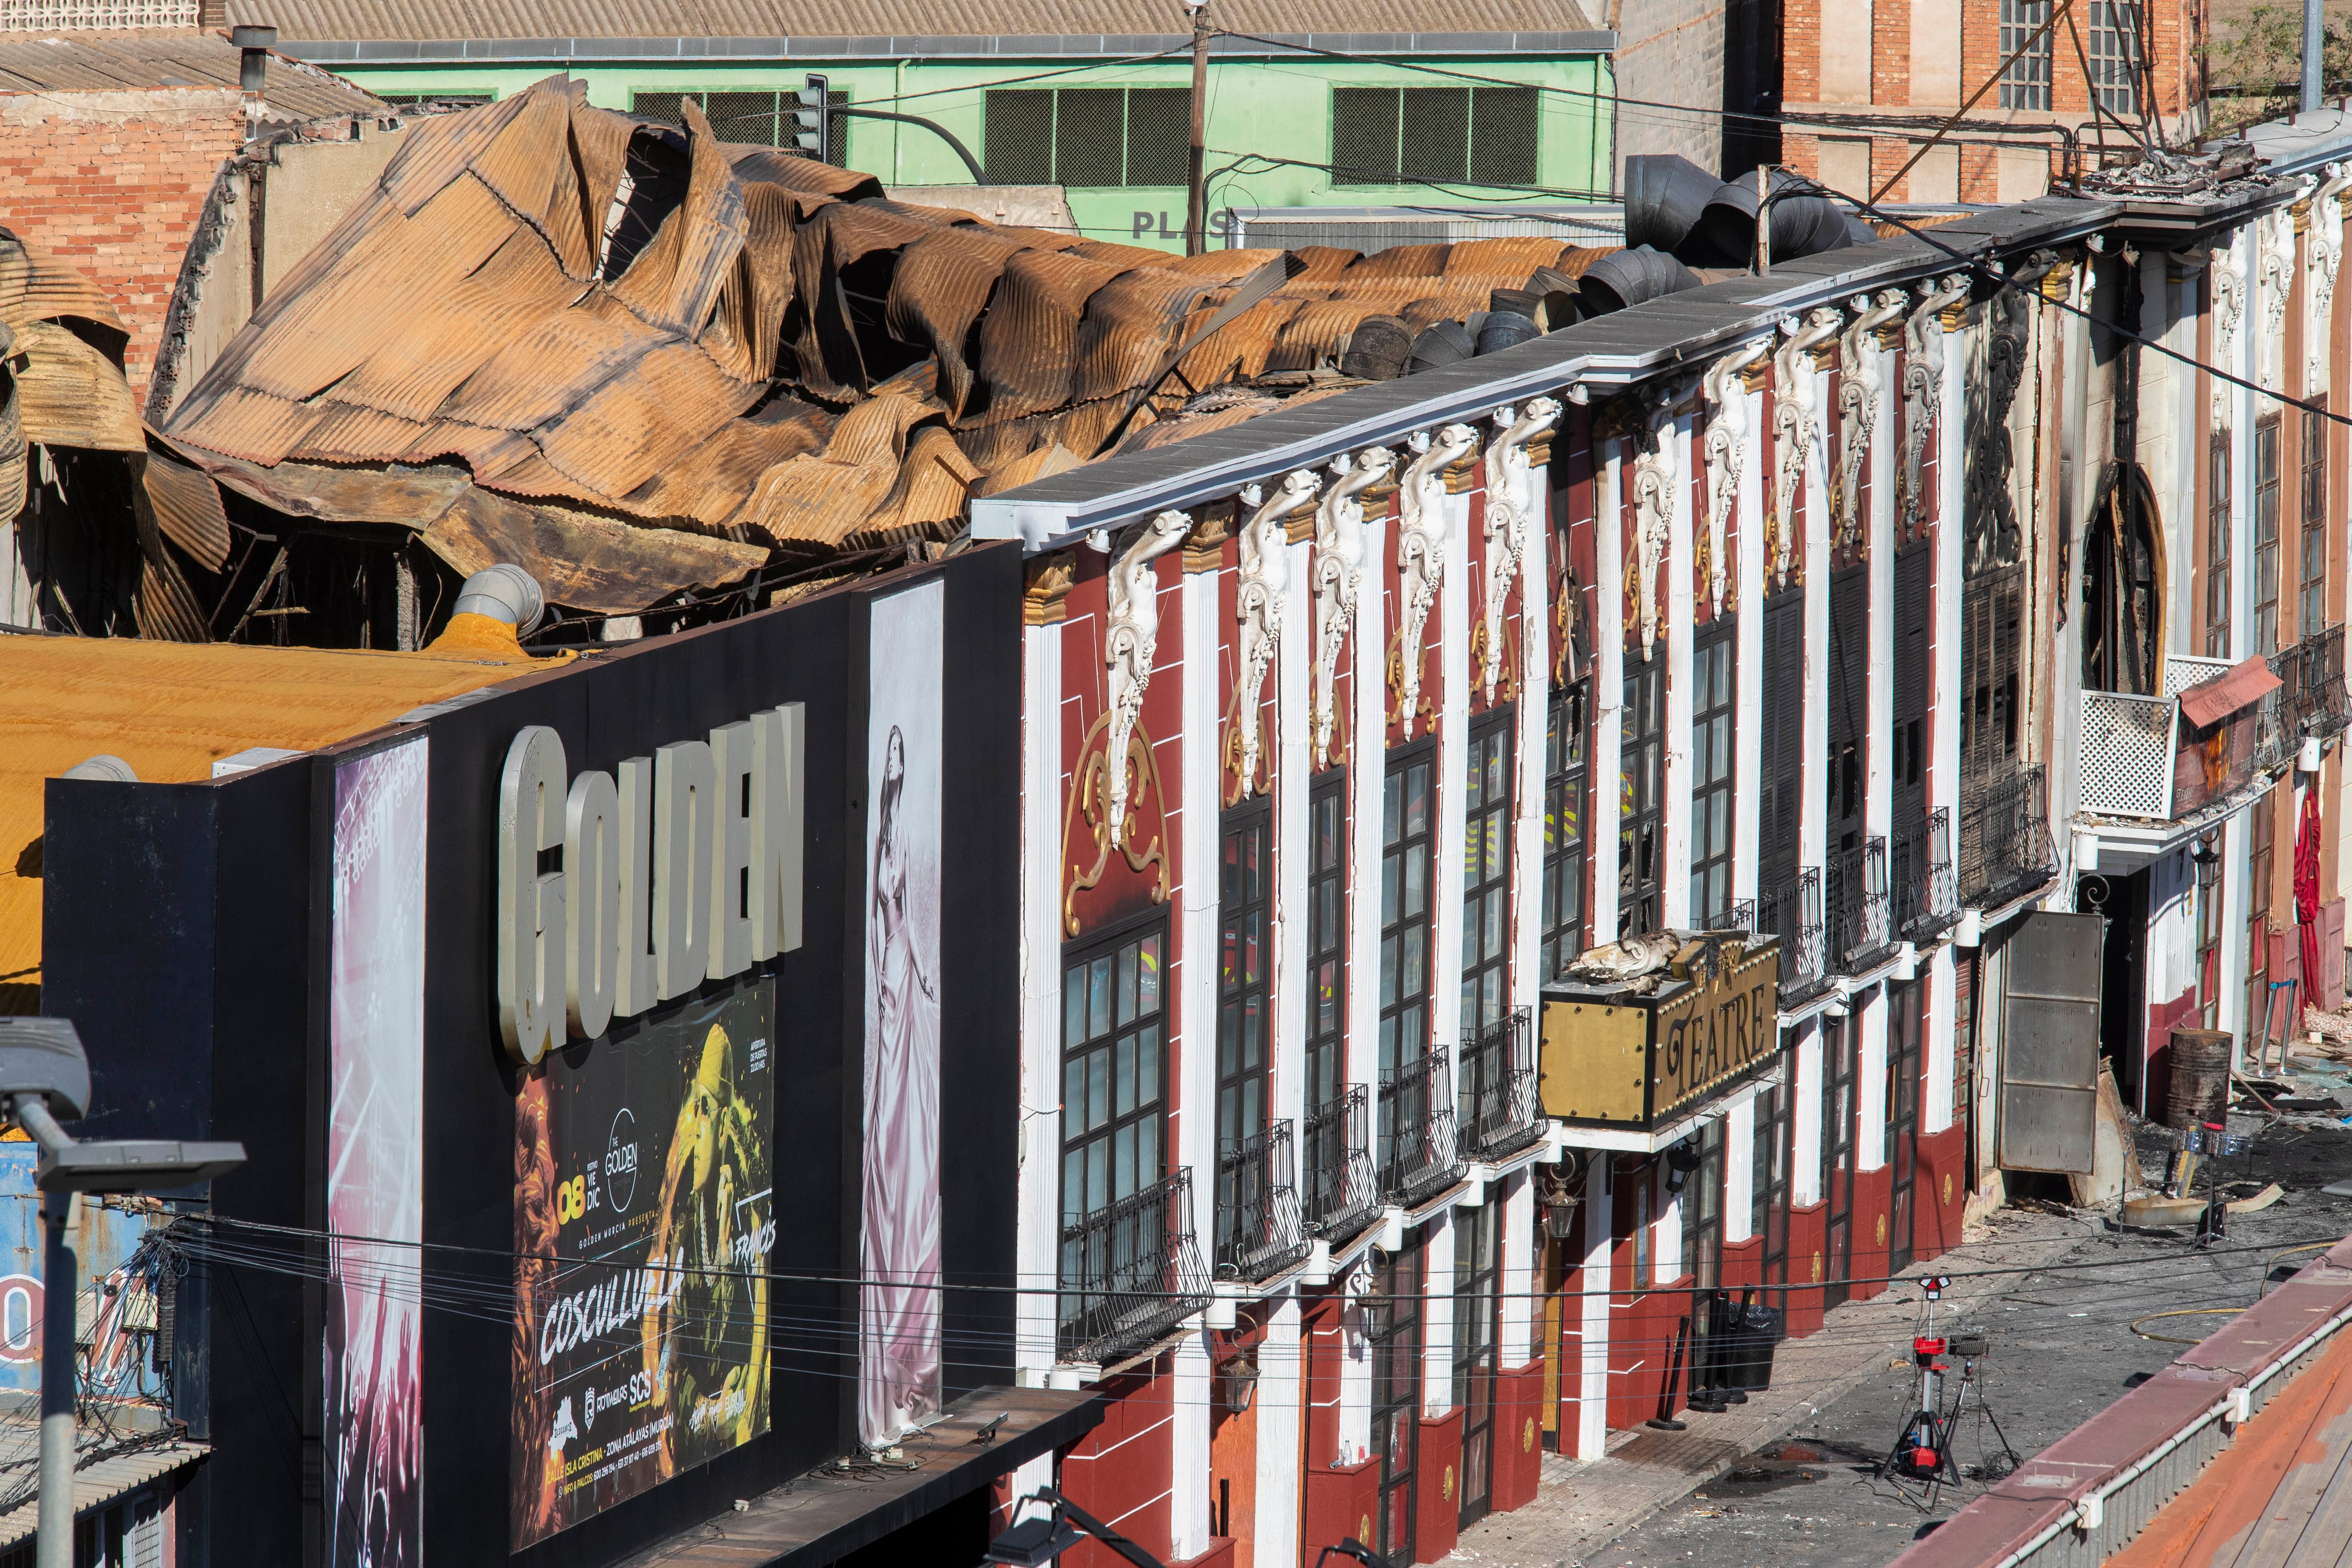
375,1164
644,1220
898,1328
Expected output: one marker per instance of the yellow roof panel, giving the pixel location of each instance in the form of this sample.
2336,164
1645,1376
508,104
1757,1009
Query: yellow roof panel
171,711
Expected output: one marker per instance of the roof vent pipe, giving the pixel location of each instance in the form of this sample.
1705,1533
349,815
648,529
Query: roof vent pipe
1624,278
504,593
1664,195
105,766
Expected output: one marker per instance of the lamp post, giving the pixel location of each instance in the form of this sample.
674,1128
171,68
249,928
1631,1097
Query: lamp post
43,1076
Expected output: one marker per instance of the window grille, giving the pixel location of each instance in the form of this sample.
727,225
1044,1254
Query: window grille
2114,55
1096,137
1392,135
2026,83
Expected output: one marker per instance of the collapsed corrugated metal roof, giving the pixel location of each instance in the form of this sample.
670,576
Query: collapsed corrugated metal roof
639,360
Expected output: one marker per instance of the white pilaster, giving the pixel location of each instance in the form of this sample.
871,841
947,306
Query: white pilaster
1870,1081
1293,665
1367,760
1878,799
1453,728
1939,1034
1590,1439
1532,725
1608,684
1038,1183
1739,1172
1675,901
1196,1030
1812,830
1517,1342
1805,1117
1437,1310
1276,1519
1948,695
1748,731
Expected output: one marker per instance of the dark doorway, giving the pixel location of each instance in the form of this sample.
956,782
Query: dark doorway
1396,1398
1478,1325
1840,1048
1906,1010
2123,976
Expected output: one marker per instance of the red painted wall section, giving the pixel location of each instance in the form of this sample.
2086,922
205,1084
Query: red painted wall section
1743,1264
1518,1435
1336,1505
1438,1506
1119,1472
1873,1193
1220,1554
1942,1192
1808,1227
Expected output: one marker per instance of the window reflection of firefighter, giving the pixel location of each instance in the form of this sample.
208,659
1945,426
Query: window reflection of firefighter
707,1343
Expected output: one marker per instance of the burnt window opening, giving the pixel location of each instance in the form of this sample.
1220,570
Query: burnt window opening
1640,839
2311,608
2123,610
2217,546
2266,535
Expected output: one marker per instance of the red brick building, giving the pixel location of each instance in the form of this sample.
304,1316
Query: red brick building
109,141
1866,82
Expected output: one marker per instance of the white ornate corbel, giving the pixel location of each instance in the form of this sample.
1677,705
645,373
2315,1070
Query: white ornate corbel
1338,570
1726,454
1858,389
2275,274
1128,645
1654,488
1923,379
2228,285
2325,253
1257,598
1795,427
1421,550
1510,512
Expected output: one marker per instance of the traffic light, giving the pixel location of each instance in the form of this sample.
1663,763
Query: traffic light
812,126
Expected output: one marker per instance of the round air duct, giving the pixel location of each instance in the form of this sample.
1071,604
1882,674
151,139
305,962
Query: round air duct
1503,330
1802,225
1625,277
1515,301
1664,195
105,766
1377,349
504,593
1441,343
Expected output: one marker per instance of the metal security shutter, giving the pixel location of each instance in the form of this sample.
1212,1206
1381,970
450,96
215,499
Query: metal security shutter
2049,1044
1782,704
1913,568
1849,715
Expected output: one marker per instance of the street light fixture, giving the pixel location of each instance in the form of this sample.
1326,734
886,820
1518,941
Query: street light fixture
1037,1542
44,1076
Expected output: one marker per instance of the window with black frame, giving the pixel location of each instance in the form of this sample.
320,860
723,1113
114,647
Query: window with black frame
1243,1004
1769,1194
1395,1348
1112,1072
1641,812
1567,753
2266,534
1906,1020
1712,687
1408,812
1487,875
1327,938
2311,609
1477,1326
2210,926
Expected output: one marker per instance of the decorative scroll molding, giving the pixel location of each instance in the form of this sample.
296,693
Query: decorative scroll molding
2274,271
2229,312
1510,512
1421,553
2325,244
1130,644
1725,384
1653,483
1923,384
1088,789
1338,570
1257,604
1794,427
1858,387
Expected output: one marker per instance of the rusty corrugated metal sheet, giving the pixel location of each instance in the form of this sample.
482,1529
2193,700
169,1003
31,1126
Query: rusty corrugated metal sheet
169,59
616,374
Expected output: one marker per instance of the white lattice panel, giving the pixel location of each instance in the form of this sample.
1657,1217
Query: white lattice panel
2127,754
2182,671
83,15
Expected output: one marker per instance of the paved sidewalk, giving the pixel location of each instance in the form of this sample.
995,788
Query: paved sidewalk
1581,1506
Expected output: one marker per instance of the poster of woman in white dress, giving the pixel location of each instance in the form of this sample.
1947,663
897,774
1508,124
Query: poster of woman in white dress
898,1333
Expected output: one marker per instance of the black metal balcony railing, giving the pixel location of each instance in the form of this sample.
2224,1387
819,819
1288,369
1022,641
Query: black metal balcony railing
1342,1194
1259,1233
1740,916
1498,1087
1862,926
1927,892
2322,705
1418,1158
1793,911
2005,850
1130,1272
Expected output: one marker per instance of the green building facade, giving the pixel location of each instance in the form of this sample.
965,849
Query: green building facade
1294,119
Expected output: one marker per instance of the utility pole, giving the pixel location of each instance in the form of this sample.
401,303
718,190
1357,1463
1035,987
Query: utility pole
61,1319
2313,36
1196,194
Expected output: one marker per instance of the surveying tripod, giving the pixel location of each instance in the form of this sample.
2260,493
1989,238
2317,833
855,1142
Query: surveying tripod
1921,1463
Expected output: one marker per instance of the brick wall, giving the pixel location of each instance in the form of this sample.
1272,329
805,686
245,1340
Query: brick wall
112,184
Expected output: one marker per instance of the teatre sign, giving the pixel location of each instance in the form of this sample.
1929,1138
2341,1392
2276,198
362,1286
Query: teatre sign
687,869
